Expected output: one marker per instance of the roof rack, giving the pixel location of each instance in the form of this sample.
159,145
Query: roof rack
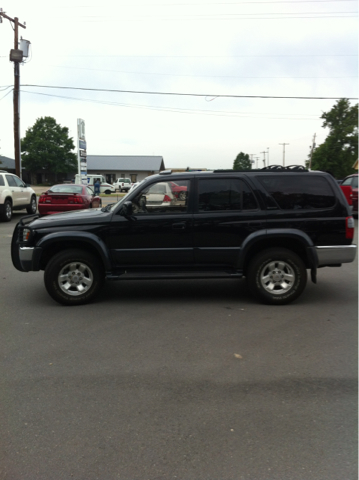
166,172
270,168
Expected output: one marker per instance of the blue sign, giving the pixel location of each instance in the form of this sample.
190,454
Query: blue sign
82,144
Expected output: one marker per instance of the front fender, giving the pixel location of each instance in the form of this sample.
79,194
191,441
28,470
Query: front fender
88,238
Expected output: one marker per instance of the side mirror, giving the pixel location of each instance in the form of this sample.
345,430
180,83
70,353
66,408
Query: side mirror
126,210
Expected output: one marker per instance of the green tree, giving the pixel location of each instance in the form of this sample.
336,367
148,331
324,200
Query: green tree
242,162
47,146
340,149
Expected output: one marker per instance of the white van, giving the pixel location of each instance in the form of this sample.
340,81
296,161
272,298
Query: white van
91,179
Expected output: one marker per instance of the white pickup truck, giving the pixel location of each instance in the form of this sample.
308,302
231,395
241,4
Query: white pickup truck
122,184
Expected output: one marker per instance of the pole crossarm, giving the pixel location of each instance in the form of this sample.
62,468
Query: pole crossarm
3,14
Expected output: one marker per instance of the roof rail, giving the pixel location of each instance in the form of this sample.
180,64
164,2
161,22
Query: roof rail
166,172
280,168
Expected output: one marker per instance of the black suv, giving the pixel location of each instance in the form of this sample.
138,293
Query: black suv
268,225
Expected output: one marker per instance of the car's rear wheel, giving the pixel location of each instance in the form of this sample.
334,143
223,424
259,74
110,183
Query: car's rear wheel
107,192
182,196
74,277
6,214
277,276
31,209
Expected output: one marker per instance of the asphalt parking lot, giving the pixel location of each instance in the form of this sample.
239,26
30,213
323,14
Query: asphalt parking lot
178,379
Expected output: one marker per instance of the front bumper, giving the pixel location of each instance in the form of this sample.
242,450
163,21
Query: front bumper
336,254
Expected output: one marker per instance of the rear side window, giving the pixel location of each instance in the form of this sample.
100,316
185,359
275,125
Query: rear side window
2,182
224,194
298,192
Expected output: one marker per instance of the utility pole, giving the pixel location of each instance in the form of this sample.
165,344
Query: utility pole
268,156
264,158
284,144
311,152
16,56
257,158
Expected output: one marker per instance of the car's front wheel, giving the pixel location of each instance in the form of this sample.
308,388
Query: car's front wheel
31,209
107,192
74,277
277,276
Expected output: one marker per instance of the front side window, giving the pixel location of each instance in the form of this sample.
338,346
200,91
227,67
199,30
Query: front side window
2,182
224,194
161,198
297,192
19,183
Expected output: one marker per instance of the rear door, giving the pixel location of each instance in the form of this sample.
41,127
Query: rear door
226,213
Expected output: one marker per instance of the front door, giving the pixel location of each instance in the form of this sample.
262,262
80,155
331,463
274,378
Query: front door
159,232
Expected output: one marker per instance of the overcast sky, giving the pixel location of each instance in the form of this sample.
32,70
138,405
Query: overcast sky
297,48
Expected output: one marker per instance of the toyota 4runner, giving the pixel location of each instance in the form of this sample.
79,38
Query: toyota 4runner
269,225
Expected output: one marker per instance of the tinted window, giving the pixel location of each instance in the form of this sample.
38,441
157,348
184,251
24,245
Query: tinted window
296,192
2,182
11,181
224,194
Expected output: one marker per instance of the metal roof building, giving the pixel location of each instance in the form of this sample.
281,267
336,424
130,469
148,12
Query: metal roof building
135,167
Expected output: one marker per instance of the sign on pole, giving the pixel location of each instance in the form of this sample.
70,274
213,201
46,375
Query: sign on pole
82,151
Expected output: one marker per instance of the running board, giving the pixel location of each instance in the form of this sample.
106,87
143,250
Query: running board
172,275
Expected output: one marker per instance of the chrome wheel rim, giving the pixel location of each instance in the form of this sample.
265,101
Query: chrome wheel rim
8,211
33,205
75,278
277,277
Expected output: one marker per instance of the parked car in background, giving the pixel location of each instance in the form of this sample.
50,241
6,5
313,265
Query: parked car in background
68,197
352,181
122,184
179,191
15,195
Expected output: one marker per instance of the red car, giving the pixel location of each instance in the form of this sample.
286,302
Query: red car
352,181
64,198
178,191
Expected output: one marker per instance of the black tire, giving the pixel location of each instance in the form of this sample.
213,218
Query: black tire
79,270
182,195
108,192
6,214
276,276
31,209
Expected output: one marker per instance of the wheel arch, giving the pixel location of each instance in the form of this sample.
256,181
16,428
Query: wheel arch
54,243
290,239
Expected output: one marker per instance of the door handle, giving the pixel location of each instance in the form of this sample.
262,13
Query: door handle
179,226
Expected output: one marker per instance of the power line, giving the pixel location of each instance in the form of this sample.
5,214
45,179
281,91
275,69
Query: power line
219,113
184,75
208,56
183,94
